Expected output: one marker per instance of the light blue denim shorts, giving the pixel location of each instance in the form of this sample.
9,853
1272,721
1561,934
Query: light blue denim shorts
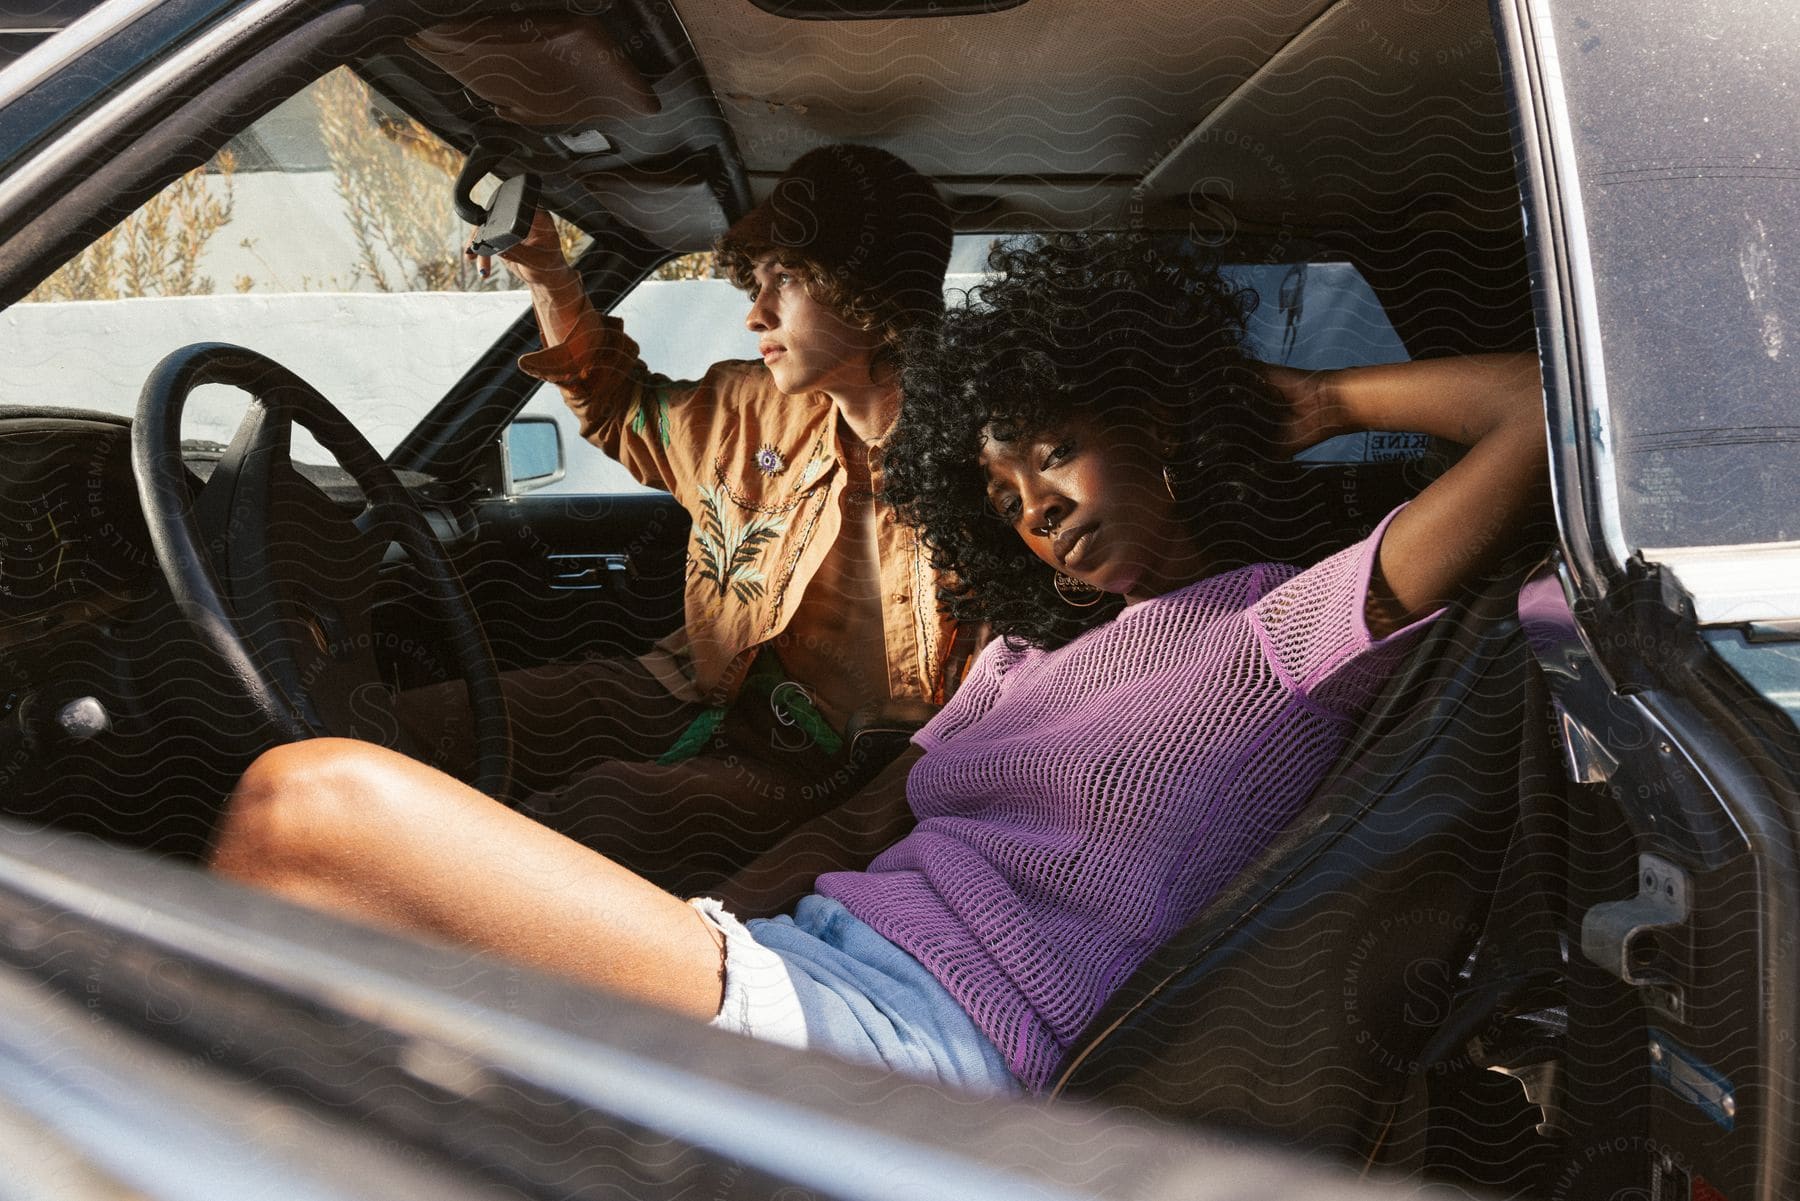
823,979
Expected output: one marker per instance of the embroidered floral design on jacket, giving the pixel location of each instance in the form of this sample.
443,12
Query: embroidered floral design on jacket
727,551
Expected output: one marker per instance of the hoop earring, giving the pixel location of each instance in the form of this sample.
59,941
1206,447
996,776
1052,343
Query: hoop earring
1169,484
1073,592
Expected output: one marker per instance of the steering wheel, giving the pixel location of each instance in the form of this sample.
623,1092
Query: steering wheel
277,578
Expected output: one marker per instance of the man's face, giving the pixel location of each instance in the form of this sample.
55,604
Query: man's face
806,346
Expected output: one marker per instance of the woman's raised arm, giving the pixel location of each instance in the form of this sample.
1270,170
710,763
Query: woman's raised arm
1466,519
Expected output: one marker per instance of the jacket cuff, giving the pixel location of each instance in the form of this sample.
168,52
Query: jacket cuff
569,359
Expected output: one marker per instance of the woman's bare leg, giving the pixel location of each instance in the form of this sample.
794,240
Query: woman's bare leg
359,830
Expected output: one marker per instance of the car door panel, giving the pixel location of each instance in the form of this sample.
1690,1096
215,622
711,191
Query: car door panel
567,577
1681,997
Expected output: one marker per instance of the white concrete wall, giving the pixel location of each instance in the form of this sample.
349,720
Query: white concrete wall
386,359
383,359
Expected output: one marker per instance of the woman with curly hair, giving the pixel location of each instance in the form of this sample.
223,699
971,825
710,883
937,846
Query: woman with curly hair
1120,330
1080,452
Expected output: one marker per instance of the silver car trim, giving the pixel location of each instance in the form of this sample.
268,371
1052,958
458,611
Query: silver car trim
72,142
1584,301
1733,585
74,40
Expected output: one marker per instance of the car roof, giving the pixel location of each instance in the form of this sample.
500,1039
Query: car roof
1064,109
1278,118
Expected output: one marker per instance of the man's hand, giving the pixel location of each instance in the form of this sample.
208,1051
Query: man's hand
537,261
557,296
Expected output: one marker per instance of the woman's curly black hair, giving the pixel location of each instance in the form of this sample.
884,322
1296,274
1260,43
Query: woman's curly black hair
1114,327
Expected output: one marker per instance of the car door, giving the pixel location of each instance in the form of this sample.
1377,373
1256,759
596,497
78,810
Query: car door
573,557
1662,209
172,1036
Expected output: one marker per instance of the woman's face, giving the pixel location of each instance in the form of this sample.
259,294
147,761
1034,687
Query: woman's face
1089,500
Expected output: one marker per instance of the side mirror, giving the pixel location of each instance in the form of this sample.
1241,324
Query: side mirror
532,453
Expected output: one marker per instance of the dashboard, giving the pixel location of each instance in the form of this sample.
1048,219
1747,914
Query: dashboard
71,531
112,721
115,718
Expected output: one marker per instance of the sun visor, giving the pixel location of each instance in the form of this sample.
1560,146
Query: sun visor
541,70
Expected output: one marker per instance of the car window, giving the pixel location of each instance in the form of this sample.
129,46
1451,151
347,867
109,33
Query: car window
685,318
323,236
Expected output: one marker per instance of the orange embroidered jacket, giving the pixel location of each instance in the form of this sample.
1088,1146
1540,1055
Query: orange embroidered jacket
760,473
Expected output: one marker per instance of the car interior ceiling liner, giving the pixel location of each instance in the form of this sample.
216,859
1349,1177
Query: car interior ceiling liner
571,73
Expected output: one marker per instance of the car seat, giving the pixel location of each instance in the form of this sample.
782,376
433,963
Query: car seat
1383,935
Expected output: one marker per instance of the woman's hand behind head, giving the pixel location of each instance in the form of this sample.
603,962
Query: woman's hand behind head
1309,413
1467,520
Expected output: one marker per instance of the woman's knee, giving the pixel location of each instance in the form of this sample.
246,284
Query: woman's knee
296,802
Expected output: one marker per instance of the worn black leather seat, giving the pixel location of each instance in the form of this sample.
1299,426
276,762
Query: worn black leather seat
1409,900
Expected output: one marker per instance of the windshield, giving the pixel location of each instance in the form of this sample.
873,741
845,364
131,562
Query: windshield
323,236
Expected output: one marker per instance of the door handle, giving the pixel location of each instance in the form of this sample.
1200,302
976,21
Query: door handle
588,572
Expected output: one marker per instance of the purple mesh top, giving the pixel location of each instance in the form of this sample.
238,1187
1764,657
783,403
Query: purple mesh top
1078,806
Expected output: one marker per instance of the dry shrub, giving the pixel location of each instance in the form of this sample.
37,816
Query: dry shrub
393,175
156,250
395,178
699,265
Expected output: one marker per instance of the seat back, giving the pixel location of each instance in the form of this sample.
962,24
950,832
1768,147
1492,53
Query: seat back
1302,999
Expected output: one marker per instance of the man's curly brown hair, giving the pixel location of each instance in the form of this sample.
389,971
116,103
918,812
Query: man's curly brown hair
865,306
